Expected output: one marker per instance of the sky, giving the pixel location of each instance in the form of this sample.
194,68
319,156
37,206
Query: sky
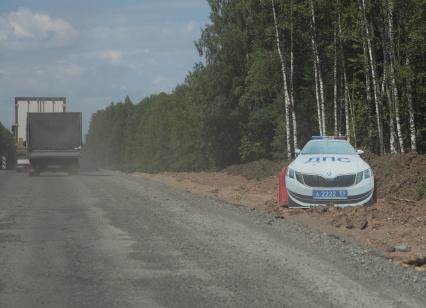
94,52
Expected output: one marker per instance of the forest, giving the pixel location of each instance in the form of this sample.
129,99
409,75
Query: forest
274,73
7,146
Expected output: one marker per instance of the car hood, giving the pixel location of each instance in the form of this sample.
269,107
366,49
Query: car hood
328,165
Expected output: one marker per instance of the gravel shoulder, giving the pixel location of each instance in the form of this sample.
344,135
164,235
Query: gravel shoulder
395,226
114,240
273,259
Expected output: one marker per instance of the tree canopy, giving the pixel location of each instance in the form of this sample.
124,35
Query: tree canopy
357,68
7,146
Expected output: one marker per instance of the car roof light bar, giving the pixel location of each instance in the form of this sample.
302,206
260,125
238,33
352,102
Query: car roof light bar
328,138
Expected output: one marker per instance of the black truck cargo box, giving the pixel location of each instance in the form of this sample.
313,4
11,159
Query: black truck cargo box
53,131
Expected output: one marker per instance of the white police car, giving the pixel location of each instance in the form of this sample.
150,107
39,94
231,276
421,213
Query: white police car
329,170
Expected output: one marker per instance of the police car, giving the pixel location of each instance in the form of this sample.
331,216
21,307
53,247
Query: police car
327,170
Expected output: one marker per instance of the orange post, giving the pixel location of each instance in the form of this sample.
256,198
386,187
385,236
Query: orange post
282,188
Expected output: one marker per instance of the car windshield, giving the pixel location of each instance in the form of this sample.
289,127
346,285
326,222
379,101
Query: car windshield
328,147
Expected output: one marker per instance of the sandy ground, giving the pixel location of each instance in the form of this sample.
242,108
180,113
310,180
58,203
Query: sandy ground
395,226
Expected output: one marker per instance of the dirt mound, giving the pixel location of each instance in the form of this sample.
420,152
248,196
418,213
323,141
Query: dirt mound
402,176
259,169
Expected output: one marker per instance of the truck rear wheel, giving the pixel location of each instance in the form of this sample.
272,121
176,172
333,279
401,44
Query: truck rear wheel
34,172
34,168
73,168
72,172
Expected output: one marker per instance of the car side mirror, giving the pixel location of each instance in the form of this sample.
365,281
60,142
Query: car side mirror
297,152
359,152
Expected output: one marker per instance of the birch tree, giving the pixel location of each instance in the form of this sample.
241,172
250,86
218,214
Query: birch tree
319,86
352,117
319,113
392,63
411,119
293,110
367,90
346,97
386,94
335,83
373,73
347,103
284,78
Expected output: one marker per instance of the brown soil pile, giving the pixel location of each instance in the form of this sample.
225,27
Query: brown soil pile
402,176
259,169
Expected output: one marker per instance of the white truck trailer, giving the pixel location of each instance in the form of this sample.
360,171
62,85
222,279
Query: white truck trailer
23,105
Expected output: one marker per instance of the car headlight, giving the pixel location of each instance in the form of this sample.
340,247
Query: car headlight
359,176
367,174
299,177
290,173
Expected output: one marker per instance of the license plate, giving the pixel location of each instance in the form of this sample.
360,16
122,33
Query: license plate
330,194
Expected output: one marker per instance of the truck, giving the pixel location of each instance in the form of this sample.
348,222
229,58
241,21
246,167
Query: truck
54,141
23,105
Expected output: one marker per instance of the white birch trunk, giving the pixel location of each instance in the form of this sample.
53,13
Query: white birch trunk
367,86
397,114
345,82
373,76
339,29
385,91
346,99
285,88
318,99
411,117
392,62
352,116
335,84
319,89
321,86
293,110
347,121
392,139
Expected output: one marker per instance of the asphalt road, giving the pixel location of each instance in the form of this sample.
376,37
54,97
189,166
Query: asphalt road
106,239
